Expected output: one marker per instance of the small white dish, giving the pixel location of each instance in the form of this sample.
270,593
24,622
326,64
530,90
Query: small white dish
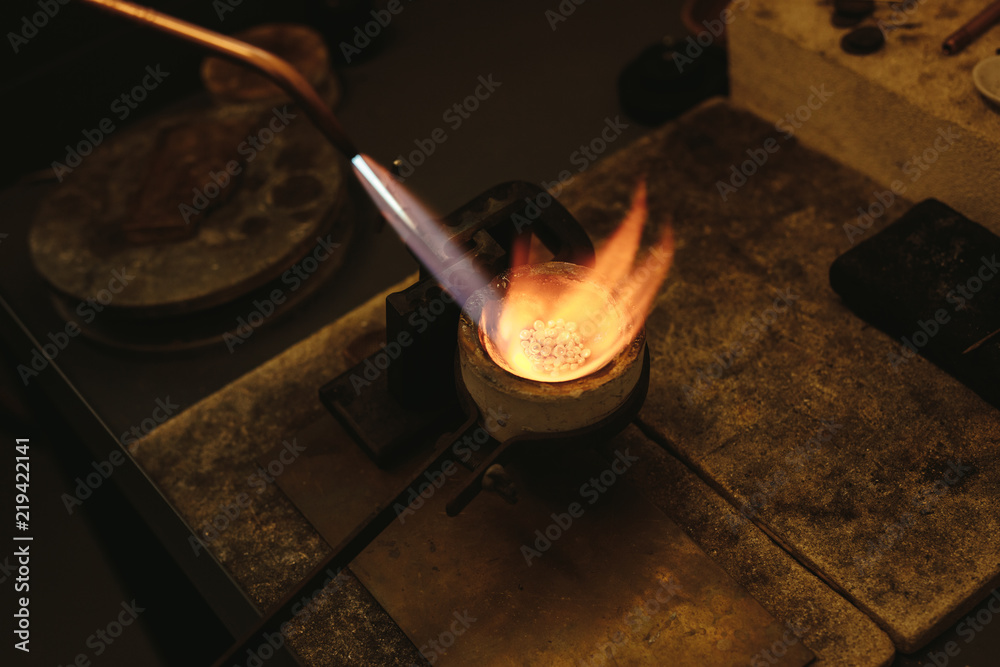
986,76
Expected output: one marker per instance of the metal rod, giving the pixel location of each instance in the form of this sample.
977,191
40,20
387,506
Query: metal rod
980,342
268,64
976,26
426,240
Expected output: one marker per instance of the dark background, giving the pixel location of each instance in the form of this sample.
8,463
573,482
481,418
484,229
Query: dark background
558,87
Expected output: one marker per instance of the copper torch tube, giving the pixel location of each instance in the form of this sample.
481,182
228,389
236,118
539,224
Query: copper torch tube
266,63
976,26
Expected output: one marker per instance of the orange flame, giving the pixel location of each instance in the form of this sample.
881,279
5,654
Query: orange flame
553,327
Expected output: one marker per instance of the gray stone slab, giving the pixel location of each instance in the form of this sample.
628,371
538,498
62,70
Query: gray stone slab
795,406
204,459
832,627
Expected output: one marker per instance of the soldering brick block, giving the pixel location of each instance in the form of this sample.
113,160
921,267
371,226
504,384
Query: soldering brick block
907,116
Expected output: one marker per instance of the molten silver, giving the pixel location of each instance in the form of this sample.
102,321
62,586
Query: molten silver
536,406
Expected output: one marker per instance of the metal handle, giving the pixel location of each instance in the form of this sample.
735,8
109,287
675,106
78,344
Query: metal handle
268,64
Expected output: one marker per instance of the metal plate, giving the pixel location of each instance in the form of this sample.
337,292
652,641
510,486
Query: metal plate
289,191
622,582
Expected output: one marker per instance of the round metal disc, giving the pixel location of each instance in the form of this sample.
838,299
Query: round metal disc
289,193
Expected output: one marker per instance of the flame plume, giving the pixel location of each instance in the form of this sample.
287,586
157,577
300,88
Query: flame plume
554,327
